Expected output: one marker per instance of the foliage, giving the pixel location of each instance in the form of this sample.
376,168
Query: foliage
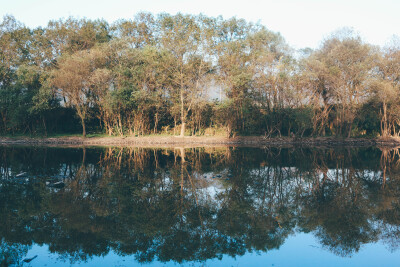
185,74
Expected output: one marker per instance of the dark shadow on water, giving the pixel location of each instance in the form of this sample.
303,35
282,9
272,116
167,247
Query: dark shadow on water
195,204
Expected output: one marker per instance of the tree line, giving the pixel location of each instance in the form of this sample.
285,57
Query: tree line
192,75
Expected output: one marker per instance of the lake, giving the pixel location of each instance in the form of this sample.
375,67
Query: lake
206,206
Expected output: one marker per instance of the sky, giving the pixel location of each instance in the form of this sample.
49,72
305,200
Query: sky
302,23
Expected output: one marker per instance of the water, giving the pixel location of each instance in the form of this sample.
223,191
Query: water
199,206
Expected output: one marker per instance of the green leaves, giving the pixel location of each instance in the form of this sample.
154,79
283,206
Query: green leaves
136,71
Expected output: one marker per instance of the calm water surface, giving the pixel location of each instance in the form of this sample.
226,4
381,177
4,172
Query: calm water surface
199,207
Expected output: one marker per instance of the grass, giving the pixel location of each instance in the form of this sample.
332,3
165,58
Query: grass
59,135
207,133
99,135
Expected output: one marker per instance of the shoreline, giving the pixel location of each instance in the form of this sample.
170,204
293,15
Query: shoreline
201,141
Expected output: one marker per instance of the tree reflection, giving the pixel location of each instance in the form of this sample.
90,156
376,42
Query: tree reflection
195,204
12,254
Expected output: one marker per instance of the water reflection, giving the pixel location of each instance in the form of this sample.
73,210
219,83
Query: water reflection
194,204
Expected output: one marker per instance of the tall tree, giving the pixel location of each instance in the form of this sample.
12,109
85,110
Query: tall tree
385,87
249,58
77,78
338,73
186,37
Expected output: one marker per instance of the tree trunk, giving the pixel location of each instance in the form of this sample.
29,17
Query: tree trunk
350,127
44,125
385,130
155,123
4,119
174,125
83,127
183,119
120,128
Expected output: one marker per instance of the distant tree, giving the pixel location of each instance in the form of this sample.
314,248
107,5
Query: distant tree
72,35
187,38
338,73
250,68
78,77
139,32
385,89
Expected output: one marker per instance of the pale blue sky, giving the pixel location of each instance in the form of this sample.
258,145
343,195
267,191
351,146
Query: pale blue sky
302,23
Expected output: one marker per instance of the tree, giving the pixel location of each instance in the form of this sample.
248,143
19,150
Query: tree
14,51
251,62
385,89
338,73
187,38
72,35
139,32
77,78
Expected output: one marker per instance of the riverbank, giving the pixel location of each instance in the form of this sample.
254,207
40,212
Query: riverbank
202,140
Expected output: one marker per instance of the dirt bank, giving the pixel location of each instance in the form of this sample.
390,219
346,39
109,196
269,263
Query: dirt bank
199,141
